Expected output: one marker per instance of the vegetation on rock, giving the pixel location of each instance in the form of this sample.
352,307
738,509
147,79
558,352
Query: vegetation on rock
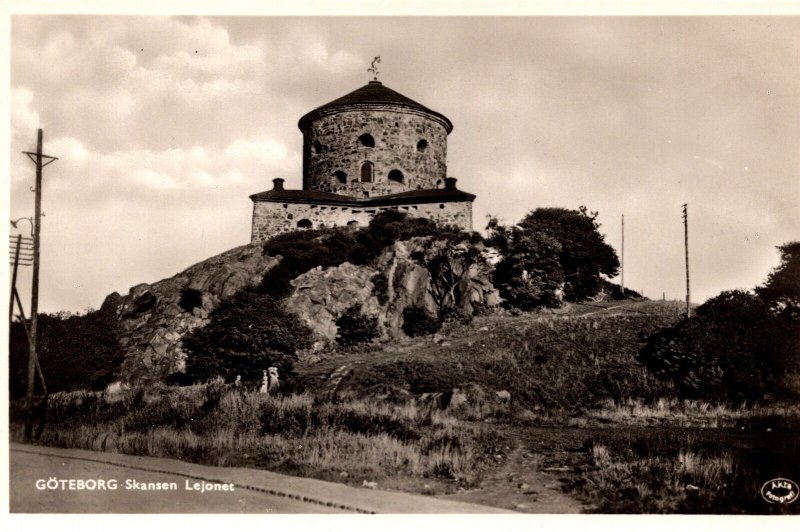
355,328
246,334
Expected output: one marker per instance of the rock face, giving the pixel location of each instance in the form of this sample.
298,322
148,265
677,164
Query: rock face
153,318
395,283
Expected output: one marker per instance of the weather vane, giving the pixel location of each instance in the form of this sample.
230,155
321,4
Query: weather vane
374,69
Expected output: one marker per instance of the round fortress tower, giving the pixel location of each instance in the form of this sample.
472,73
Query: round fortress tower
373,142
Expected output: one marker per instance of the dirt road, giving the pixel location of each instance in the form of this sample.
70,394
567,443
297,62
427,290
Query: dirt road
181,487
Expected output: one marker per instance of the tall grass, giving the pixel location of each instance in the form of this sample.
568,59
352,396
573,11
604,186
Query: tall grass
689,481
301,434
691,413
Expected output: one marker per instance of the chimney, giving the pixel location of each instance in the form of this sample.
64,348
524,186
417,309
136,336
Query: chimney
277,183
450,183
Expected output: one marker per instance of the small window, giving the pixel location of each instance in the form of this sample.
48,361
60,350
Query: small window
305,223
422,145
290,216
317,147
367,140
441,205
352,223
366,172
396,175
340,176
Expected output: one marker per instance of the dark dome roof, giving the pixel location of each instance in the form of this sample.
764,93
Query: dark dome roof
373,93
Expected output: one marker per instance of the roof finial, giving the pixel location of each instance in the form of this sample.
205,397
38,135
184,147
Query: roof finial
374,69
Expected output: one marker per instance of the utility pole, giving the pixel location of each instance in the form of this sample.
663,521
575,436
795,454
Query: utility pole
38,159
622,261
686,249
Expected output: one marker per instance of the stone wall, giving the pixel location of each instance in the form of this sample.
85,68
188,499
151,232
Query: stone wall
331,144
272,218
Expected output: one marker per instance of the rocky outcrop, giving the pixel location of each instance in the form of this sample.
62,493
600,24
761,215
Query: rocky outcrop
153,318
394,283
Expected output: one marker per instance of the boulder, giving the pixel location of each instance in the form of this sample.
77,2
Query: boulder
393,283
153,320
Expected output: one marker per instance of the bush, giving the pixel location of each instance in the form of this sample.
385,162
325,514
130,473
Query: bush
245,335
191,298
731,350
355,328
419,322
75,351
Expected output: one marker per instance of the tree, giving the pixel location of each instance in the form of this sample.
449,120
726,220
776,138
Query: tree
245,335
782,288
450,259
548,249
584,254
75,351
529,273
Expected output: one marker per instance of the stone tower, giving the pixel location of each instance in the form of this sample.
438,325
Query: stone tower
370,150
373,142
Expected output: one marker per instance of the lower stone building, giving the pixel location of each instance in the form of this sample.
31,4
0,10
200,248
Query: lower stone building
279,210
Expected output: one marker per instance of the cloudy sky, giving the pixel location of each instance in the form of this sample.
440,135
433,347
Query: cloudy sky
164,126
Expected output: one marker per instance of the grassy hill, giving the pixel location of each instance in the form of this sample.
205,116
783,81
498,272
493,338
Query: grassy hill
570,358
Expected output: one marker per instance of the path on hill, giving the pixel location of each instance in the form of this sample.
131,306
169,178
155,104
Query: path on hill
255,491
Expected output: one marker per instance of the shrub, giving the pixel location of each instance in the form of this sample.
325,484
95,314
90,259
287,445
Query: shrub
244,336
419,322
75,351
730,350
191,298
356,328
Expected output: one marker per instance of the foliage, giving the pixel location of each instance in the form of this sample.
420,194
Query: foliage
245,335
529,273
584,254
419,322
191,298
355,328
302,251
75,351
732,349
612,290
449,262
782,288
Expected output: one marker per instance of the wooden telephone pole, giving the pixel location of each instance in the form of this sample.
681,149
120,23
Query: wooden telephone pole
40,160
686,250
622,261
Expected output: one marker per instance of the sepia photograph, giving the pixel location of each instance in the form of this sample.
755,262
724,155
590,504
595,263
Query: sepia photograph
353,263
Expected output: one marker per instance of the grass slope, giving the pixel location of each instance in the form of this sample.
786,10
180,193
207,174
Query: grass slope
569,359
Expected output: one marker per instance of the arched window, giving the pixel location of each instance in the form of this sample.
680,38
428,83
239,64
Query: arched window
340,176
422,145
366,172
352,223
396,175
305,223
366,140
